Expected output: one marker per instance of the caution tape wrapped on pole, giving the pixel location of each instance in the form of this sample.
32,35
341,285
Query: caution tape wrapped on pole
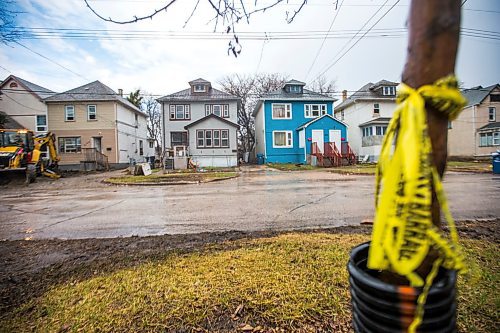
403,232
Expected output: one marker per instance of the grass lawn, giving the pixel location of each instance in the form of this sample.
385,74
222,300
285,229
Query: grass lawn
294,282
292,166
177,177
469,166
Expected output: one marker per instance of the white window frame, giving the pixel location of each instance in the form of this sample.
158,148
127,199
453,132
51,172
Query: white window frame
489,139
492,114
288,139
295,89
288,110
200,88
173,112
308,110
41,128
376,108
76,147
224,110
89,113
388,90
496,139
221,135
67,108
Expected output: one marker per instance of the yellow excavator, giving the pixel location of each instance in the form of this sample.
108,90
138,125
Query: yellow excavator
21,150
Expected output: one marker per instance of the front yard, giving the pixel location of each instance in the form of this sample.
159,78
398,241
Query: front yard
291,282
160,178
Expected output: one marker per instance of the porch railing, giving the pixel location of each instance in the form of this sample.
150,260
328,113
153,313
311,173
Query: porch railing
91,155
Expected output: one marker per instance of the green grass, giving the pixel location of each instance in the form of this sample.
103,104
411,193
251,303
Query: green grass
166,178
358,169
292,166
469,166
293,281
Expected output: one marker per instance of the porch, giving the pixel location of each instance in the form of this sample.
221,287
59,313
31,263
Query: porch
331,155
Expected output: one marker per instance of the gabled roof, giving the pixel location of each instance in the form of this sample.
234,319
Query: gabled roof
294,82
318,118
92,92
39,91
368,92
199,81
187,96
211,116
378,120
490,126
477,94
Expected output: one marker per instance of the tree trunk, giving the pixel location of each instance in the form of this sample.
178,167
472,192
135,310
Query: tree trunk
434,28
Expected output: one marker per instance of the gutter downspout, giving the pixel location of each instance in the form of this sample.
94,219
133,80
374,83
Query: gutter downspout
474,129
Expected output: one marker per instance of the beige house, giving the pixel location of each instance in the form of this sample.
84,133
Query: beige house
476,131
93,124
22,101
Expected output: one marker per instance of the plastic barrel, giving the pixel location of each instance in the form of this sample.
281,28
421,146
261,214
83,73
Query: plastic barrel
380,307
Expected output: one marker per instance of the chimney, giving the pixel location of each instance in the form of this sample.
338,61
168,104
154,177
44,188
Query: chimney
344,95
120,92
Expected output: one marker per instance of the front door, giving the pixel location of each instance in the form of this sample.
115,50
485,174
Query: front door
317,136
96,142
336,136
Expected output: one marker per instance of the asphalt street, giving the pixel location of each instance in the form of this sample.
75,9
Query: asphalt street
83,207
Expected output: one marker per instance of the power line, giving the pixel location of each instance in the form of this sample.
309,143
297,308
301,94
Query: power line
367,31
324,40
52,61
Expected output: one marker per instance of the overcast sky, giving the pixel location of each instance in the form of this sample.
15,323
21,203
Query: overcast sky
161,55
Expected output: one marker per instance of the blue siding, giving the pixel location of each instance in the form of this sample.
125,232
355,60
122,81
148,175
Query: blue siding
295,154
325,124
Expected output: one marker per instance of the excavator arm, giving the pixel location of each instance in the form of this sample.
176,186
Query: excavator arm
48,167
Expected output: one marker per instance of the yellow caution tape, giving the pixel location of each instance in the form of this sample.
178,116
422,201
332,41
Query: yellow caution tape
403,231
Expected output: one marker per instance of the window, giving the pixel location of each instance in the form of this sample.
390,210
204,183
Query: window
389,91
41,123
212,139
449,125
91,112
376,109
13,85
69,113
342,115
151,144
221,110
368,131
180,112
294,89
495,98
314,110
282,111
282,139
199,88
70,145
492,113
141,148
380,130
178,139
489,139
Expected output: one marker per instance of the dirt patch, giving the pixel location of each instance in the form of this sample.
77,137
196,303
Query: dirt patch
29,268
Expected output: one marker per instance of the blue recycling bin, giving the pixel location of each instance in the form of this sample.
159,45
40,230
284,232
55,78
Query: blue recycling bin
495,160
260,159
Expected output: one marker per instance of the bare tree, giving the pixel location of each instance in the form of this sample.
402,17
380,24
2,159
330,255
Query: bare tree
322,85
249,88
8,31
227,13
151,107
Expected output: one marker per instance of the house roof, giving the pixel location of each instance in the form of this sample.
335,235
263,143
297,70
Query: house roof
378,120
94,91
282,95
368,92
9,122
490,126
318,118
199,81
477,94
187,96
295,82
211,116
39,91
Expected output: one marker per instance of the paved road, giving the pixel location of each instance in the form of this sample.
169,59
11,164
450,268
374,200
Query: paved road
257,200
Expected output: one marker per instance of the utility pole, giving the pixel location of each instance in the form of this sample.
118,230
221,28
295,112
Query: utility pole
434,28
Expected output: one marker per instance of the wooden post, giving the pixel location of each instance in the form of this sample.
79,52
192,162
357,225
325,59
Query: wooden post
434,27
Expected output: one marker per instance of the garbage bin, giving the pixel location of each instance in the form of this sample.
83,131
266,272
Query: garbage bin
495,160
260,159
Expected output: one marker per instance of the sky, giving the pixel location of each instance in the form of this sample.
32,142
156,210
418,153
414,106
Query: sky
160,55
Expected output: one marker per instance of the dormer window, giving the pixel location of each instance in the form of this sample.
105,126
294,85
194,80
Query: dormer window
389,91
295,89
200,88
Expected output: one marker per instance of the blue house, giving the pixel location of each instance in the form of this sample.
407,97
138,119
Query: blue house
294,124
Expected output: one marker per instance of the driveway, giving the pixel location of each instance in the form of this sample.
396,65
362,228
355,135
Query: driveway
260,199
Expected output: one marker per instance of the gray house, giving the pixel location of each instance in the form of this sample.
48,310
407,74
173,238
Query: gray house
204,120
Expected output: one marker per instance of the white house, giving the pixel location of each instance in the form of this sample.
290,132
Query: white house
368,112
204,120
22,101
